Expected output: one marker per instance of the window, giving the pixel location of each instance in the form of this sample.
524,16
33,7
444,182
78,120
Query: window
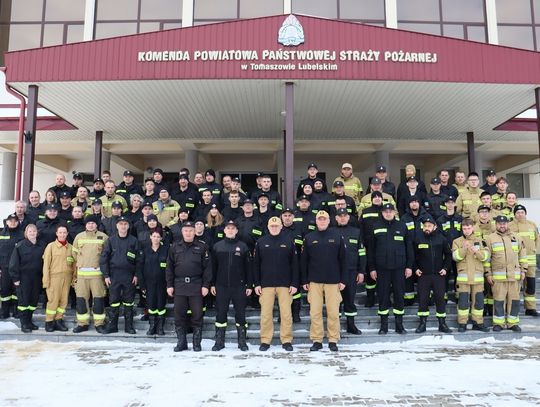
516,184
260,8
361,10
40,23
326,8
517,23
453,18
215,10
124,17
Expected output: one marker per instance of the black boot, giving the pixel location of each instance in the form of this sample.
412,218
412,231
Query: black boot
351,327
296,305
59,325
462,328
146,315
479,327
220,339
128,321
24,316
182,341
4,312
31,323
160,324
370,298
399,325
531,312
241,331
384,325
153,328
83,328
112,325
197,337
49,326
421,326
443,327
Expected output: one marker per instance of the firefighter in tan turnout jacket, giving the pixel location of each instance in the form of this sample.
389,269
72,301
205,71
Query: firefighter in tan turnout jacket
469,253
505,271
528,232
87,248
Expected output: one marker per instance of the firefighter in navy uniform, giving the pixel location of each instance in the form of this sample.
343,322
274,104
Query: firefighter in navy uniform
188,275
276,273
450,226
433,259
304,216
127,187
26,269
367,220
249,227
356,266
121,265
324,270
293,231
47,227
232,280
153,281
390,260
412,218
10,235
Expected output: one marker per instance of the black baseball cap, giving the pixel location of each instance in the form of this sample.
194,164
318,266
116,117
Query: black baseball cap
78,175
491,172
116,204
287,210
339,184
388,207
429,219
158,170
413,198
64,194
264,194
247,201
381,168
97,202
188,224
312,165
412,178
304,198
375,181
122,219
483,207
435,181
128,173
12,216
519,208
51,207
231,222
341,211
99,180
151,217
501,219
450,198
211,172
146,203
183,176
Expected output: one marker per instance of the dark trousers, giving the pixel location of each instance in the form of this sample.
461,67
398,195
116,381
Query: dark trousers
28,292
121,292
224,296
7,289
349,295
426,284
181,305
391,281
156,294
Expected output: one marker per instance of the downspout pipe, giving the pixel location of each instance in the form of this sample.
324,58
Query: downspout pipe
22,114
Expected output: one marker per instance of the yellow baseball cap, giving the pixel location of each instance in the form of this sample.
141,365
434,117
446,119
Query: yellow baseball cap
322,214
274,221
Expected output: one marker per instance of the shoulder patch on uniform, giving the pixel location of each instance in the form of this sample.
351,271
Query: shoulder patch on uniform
282,245
99,237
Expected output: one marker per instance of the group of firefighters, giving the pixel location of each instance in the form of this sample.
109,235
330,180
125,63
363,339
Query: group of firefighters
204,244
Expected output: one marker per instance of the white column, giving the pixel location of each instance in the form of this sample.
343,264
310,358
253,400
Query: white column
491,22
89,20
192,161
7,192
187,13
390,7
287,6
105,161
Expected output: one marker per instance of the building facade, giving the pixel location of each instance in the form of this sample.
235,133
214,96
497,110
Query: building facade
42,23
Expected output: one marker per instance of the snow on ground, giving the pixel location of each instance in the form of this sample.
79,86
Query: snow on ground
428,371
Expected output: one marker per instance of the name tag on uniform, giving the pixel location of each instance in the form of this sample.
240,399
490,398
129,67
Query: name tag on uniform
331,241
282,245
399,238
